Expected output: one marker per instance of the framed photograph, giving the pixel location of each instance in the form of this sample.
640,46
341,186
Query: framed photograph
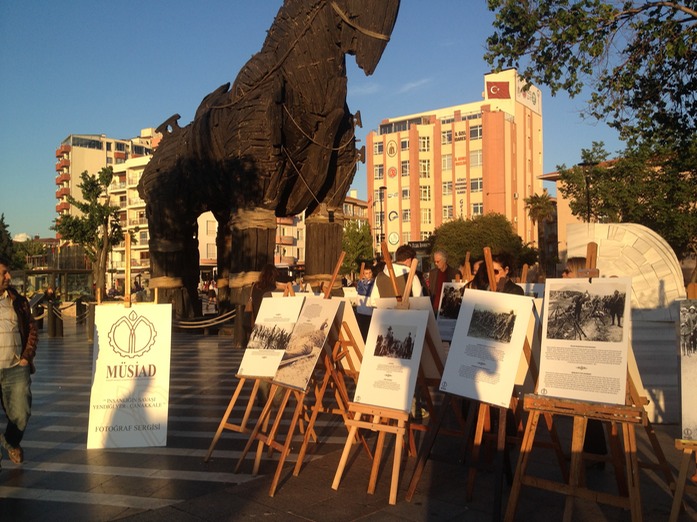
687,335
449,309
487,347
435,350
270,336
315,325
391,358
585,339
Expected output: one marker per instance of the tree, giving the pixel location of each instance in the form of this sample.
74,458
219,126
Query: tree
98,228
7,248
358,245
541,210
460,236
640,58
648,185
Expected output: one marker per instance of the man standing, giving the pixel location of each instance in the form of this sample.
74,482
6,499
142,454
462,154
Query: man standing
442,273
402,264
18,340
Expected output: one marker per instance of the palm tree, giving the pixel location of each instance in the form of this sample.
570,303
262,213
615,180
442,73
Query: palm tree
541,209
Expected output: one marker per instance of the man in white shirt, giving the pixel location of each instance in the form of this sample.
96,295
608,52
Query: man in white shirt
383,285
18,340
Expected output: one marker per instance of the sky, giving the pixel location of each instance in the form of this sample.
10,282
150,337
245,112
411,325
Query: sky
86,67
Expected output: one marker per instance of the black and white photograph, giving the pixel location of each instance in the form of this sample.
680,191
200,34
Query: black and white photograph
490,323
450,301
269,337
396,341
585,339
392,357
305,344
587,314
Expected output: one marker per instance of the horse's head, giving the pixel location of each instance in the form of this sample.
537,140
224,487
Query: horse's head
366,26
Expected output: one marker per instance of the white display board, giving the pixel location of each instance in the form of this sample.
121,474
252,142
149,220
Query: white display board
391,358
449,309
487,347
129,400
430,369
687,335
270,336
313,327
585,339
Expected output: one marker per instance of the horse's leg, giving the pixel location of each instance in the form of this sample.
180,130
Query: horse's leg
325,225
253,240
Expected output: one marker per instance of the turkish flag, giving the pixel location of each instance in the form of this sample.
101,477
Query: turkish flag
498,90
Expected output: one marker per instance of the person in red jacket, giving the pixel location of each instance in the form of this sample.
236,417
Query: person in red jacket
18,339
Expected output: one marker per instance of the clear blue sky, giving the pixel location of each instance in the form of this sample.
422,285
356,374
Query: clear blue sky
81,67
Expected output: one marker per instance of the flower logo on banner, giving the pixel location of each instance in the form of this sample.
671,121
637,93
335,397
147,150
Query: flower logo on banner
132,336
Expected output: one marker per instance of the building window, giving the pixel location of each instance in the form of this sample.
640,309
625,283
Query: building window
300,234
211,252
447,188
447,161
406,237
424,193
379,171
425,216
377,147
425,235
405,193
476,132
476,158
405,168
424,143
379,218
424,168
109,160
143,237
404,144
406,215
447,212
211,227
477,209
446,137
476,185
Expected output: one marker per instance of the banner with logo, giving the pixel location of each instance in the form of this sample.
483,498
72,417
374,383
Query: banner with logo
130,376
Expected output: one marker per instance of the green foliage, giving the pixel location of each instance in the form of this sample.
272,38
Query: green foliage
358,245
651,186
638,57
541,210
97,229
460,236
7,248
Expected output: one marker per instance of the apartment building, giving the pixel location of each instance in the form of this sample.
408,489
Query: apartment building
428,168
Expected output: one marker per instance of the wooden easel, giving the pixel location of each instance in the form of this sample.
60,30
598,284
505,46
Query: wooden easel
225,423
626,416
270,439
381,419
482,411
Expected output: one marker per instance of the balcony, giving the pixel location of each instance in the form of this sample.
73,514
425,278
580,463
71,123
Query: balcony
117,186
62,207
61,192
138,222
62,178
289,221
63,149
62,164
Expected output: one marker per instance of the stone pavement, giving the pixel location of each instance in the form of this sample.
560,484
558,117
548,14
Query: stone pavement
62,480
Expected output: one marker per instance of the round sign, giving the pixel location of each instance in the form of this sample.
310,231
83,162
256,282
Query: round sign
393,238
392,172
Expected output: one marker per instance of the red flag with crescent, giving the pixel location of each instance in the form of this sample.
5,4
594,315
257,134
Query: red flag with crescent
498,90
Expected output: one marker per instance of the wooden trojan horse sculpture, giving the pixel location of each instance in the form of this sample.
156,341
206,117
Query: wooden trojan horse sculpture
280,141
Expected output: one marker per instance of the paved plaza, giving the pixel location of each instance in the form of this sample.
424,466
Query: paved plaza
62,480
